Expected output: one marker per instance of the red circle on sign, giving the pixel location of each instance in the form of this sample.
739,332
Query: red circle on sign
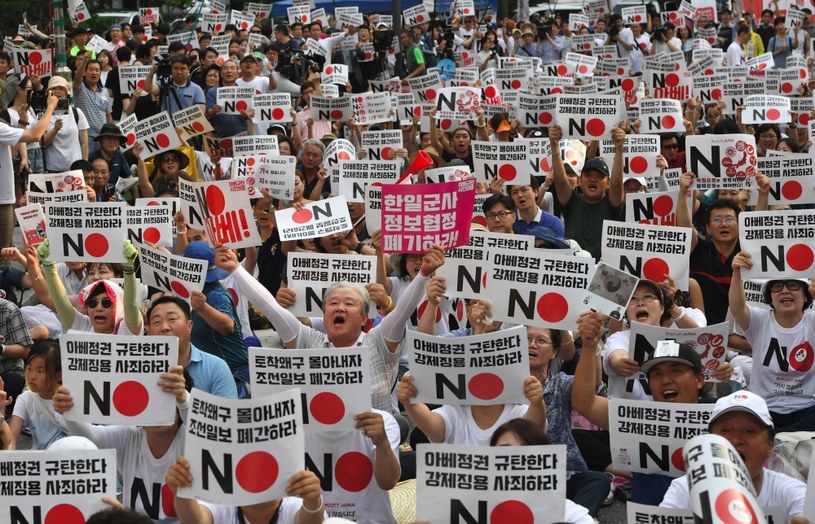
672,80
595,127
486,386
241,105
786,87
35,58
336,114
716,94
800,257
198,126
655,269
163,140
545,118
250,161
64,514
327,408
732,507
80,16
562,69
552,307
130,398
801,357
507,172
354,471
423,305
216,201
620,70
792,190
179,289
556,91
802,73
466,10
513,511
668,122
278,113
587,46
677,460
386,153
301,216
431,94
490,91
773,114
582,68
257,471
329,70
218,28
545,165
627,84
96,245
153,203
151,235
516,84
343,155
638,18
638,165
417,111
131,139
419,18
168,501
446,123
663,205
149,12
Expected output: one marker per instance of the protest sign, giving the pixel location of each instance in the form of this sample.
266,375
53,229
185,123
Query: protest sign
36,62
672,84
299,14
324,109
457,104
735,93
354,176
214,23
243,451
719,482
710,342
474,370
721,161
792,179
32,224
640,154
537,287
425,87
56,182
536,111
766,109
645,514
86,233
371,108
779,242
310,274
222,208
647,436
589,117
447,174
254,145
80,195
334,384
157,134
270,172
373,208
504,160
132,77
114,378
381,145
56,486
79,12
272,107
582,65
235,100
415,15
458,483
334,74
150,224
609,291
661,116
647,251
192,121
172,273
314,220
657,208
416,217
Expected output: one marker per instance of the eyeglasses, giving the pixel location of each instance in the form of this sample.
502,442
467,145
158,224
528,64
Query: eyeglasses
172,158
647,297
718,220
539,341
670,146
792,285
498,214
93,302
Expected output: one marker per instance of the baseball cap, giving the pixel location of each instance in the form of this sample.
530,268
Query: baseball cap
745,401
673,352
550,239
203,251
653,286
596,164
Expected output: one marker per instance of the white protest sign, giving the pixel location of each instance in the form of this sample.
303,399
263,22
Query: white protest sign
32,224
710,342
192,121
643,513
86,233
79,12
456,483
416,15
235,100
766,109
734,93
537,287
609,291
299,14
505,160
589,117
33,62
475,370
719,482
172,273
657,208
416,217
672,84
335,384
127,126
647,436
325,109
661,116
647,251
148,15
708,89
114,378
272,107
223,208
56,182
150,224
189,39
56,486
536,111
373,208
334,74
382,144
157,134
634,15
254,145
241,20
447,174
721,161
457,103
270,172
779,242
214,23
310,274
355,176
371,108
243,451
314,220
640,154
80,195
792,179
259,9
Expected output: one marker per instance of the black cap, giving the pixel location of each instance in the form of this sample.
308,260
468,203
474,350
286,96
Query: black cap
684,355
84,165
596,164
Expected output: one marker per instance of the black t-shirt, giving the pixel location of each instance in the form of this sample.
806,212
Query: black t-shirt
713,273
271,263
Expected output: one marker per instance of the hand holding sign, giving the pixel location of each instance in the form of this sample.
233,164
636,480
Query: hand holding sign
225,259
173,382
373,427
433,259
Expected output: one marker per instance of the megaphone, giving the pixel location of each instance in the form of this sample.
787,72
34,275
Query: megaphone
124,184
422,161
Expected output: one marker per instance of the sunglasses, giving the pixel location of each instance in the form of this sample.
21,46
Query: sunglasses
106,303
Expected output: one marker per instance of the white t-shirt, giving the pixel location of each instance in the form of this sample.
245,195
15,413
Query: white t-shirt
369,504
619,386
73,284
261,85
9,136
782,361
43,430
31,117
460,427
777,490
65,148
735,54
636,55
40,315
229,514
241,305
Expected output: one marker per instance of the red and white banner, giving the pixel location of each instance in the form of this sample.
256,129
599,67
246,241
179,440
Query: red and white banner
314,220
779,242
172,273
157,134
86,232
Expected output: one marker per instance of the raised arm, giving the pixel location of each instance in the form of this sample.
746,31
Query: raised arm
738,302
562,187
683,218
133,317
431,424
65,310
616,194
584,399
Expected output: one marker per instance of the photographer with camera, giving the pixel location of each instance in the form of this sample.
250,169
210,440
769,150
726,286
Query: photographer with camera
488,56
285,47
67,136
174,88
664,40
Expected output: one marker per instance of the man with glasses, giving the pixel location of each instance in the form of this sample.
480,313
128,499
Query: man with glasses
669,148
500,212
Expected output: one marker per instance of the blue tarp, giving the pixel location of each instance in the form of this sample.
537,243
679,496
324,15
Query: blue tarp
374,6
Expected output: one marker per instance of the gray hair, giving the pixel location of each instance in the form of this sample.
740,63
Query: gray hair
358,288
313,142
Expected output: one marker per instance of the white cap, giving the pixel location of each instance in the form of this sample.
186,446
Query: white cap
72,443
745,401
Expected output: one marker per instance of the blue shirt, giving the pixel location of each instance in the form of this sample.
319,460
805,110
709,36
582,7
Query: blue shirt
224,125
211,374
547,220
187,95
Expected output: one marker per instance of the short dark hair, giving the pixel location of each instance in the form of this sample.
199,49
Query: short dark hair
118,516
742,29
176,46
169,299
722,203
123,54
767,12
526,431
496,199
178,59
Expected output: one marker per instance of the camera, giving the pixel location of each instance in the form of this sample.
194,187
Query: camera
658,34
165,68
38,100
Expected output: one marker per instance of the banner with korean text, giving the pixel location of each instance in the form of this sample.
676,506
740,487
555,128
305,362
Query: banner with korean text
310,274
